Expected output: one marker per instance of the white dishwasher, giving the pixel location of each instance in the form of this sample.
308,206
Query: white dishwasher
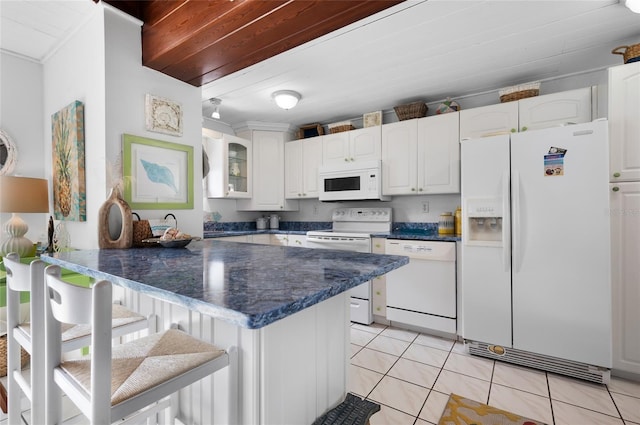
423,293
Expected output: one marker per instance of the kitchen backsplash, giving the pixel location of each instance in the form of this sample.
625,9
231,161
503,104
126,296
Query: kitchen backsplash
304,226
242,226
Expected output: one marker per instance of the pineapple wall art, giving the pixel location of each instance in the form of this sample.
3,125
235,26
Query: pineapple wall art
69,190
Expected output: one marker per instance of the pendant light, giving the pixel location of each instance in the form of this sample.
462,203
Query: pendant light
216,107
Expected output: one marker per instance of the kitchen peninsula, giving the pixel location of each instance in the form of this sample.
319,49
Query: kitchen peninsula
285,309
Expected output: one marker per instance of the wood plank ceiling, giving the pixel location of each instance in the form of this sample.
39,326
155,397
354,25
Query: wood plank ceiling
199,41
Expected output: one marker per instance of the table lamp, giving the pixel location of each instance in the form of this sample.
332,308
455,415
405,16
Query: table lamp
21,195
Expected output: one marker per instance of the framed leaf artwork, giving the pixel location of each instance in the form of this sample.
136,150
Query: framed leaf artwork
157,174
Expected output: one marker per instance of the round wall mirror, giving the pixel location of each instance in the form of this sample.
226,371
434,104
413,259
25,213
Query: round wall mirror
8,154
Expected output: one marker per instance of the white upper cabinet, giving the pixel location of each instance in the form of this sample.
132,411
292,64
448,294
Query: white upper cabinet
568,107
399,152
439,154
230,160
624,122
350,146
302,159
501,118
552,110
267,174
421,156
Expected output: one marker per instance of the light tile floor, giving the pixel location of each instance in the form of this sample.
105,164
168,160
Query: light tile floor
411,376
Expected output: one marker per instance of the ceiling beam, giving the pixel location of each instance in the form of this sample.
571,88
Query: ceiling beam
200,41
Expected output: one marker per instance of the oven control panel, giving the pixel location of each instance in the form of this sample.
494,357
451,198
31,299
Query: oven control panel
362,214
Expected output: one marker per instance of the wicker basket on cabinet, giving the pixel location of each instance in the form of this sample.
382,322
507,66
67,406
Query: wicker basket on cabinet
630,54
411,110
522,91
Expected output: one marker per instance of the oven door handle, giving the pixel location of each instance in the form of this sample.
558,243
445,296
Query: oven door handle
334,240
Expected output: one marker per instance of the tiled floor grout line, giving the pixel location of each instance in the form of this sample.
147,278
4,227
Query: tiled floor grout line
546,378
615,404
493,371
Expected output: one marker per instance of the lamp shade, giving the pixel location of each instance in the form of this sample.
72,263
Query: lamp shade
23,195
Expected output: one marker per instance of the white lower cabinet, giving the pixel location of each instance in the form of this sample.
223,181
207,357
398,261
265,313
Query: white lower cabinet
298,240
261,239
288,240
242,238
279,239
625,280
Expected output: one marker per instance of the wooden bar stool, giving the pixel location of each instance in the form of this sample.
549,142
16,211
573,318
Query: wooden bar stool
30,335
126,382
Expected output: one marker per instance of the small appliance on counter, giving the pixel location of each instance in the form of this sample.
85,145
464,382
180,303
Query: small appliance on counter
261,223
446,224
274,222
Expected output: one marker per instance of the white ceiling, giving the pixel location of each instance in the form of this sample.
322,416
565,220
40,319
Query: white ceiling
417,50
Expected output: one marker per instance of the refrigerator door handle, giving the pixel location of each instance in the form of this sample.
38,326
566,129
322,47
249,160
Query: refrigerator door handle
515,190
506,245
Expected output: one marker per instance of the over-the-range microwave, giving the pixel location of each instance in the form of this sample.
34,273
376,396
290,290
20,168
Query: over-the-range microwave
354,181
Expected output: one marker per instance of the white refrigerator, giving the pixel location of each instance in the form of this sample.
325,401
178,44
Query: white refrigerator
535,246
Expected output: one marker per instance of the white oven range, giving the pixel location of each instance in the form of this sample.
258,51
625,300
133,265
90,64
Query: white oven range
351,231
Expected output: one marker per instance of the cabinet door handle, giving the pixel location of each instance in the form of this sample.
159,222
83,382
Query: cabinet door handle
420,190
524,128
615,188
616,174
413,189
351,159
346,160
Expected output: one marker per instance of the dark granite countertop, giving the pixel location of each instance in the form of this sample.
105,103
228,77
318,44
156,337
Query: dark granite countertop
416,234
248,285
223,234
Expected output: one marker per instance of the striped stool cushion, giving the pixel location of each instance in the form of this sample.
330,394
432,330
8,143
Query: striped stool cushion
143,363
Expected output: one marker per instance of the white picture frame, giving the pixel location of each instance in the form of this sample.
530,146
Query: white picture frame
372,119
163,115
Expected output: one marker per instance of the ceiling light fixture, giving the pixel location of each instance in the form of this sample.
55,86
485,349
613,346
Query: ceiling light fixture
633,5
216,107
286,99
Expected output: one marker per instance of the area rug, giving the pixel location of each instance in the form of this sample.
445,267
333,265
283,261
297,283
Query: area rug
462,411
352,411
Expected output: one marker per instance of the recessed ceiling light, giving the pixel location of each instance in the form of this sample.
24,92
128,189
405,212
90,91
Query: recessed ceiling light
633,5
286,99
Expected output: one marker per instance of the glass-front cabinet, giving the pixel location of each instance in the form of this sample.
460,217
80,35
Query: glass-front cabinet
229,165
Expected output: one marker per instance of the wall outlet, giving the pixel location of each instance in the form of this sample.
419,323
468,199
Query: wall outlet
425,207
315,209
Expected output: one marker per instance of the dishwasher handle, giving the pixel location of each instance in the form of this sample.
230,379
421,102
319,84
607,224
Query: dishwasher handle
422,250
